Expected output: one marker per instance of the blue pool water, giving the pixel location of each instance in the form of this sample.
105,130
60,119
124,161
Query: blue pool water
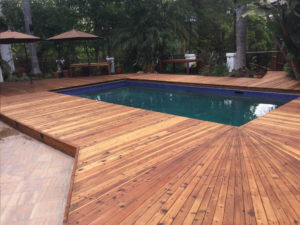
232,107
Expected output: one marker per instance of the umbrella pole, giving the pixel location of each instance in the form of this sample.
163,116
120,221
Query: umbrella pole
88,56
59,50
27,63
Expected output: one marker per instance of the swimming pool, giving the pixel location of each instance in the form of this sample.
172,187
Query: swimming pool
226,106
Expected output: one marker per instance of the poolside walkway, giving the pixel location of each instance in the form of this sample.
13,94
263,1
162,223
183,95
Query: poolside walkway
273,80
141,167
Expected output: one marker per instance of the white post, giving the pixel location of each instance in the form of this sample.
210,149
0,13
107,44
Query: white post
111,60
190,56
231,60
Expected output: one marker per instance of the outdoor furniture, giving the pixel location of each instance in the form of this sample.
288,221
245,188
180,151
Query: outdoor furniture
184,61
75,35
99,64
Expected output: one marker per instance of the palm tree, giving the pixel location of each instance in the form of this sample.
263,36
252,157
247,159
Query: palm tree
35,68
156,27
241,28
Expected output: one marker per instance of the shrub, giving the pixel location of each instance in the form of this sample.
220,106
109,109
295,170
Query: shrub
287,68
5,69
219,69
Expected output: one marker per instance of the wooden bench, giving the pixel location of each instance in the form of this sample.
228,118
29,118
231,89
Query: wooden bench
99,64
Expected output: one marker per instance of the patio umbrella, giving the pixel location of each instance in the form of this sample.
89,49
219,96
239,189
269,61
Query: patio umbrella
75,35
11,37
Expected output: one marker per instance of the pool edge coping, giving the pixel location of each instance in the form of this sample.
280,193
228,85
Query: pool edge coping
219,86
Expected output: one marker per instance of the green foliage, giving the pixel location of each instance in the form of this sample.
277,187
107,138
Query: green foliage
288,69
215,65
12,14
103,18
292,24
283,19
142,31
51,18
219,69
214,27
259,36
2,23
17,75
48,75
153,29
5,69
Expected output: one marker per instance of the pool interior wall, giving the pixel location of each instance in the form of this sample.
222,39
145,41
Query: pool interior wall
226,106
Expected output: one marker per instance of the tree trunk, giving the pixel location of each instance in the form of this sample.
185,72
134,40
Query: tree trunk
6,54
35,68
240,60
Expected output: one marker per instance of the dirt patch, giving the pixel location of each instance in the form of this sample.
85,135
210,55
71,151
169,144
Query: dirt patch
6,132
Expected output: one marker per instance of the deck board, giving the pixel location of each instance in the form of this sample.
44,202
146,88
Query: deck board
141,167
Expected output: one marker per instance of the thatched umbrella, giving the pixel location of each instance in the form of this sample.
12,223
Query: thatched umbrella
11,37
75,35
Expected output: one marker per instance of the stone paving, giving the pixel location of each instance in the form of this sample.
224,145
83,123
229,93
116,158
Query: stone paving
34,180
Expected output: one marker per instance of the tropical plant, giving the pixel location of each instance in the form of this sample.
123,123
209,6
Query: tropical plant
219,69
153,29
283,19
259,37
136,32
287,68
5,69
12,15
102,18
213,31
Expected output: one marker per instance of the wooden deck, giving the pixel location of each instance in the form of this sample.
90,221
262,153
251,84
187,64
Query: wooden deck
141,167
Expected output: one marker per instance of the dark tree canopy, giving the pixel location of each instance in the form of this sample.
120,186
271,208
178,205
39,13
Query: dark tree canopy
136,32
